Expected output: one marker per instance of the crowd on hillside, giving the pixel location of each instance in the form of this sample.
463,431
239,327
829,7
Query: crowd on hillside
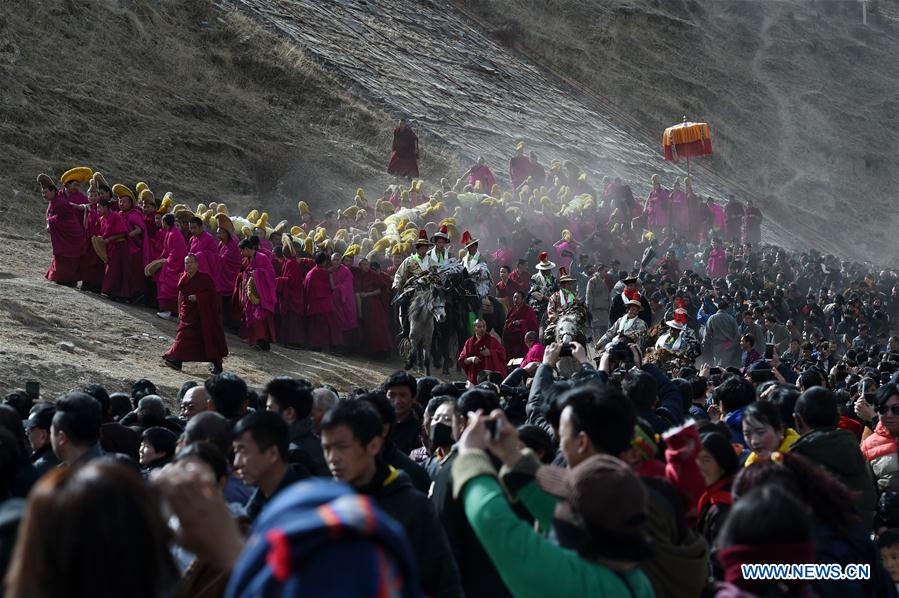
743,407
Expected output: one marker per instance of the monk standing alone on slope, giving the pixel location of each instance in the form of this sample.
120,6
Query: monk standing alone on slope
404,158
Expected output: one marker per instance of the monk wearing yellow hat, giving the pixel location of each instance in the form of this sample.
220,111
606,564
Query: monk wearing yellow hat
520,167
66,234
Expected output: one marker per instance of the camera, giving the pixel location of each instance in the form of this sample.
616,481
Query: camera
566,350
620,352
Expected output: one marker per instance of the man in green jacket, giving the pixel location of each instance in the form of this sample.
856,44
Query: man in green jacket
599,521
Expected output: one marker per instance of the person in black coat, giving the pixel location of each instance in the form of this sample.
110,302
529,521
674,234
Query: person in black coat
352,439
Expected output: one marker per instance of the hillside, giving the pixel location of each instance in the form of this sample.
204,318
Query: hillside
802,97
188,96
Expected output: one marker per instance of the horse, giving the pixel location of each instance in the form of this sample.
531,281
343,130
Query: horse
428,306
570,326
461,297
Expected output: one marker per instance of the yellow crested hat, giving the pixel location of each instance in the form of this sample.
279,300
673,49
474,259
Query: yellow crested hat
352,250
79,173
253,216
308,245
222,209
120,190
246,231
165,204
350,212
146,196
262,223
141,186
303,207
295,231
360,193
384,206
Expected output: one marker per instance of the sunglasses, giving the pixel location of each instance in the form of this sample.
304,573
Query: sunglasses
894,409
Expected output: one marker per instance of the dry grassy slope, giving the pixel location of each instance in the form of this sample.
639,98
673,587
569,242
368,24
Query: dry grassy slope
802,98
190,98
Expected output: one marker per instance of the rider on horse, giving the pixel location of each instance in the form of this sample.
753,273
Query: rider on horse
412,267
564,301
542,286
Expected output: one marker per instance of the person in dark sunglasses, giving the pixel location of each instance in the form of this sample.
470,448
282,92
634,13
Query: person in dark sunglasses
880,447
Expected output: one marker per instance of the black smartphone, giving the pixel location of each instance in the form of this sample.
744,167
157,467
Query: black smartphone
33,389
493,426
769,352
715,371
566,350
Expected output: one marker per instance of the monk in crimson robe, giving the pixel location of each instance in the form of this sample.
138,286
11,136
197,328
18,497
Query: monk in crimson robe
520,320
323,326
64,222
92,267
258,296
656,208
118,283
373,290
680,209
404,157
481,173
344,297
482,352
174,250
200,336
520,167
138,243
291,299
229,254
206,248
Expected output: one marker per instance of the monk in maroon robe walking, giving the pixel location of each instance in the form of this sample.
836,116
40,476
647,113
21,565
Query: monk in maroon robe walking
323,326
404,158
64,223
373,290
118,283
200,335
258,296
291,320
482,352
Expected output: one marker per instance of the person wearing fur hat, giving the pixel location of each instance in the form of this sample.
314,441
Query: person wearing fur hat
629,326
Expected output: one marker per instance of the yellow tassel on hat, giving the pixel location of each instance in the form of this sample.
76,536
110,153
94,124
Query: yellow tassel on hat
119,190
166,203
79,173
141,186
303,207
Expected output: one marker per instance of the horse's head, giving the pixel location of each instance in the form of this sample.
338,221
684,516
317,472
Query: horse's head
438,303
566,329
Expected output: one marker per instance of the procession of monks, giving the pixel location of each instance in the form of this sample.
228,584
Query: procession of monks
329,285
